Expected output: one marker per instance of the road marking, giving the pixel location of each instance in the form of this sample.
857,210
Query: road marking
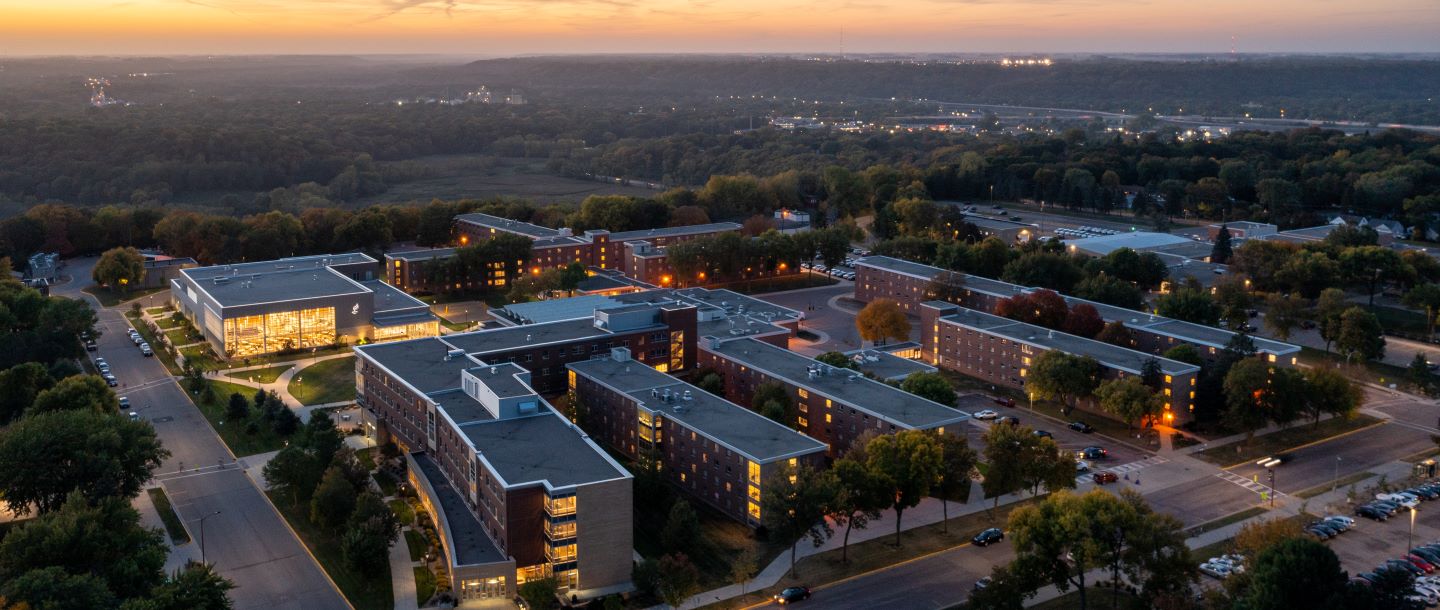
1123,469
195,472
1249,484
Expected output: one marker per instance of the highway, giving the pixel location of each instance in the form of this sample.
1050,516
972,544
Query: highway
247,541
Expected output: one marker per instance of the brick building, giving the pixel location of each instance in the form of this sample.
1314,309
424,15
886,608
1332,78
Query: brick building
905,282
1000,351
835,405
516,490
712,449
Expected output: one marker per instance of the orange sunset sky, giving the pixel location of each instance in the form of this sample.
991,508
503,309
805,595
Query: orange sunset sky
503,27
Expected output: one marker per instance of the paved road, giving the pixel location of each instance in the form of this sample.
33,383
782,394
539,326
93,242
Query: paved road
248,542
941,580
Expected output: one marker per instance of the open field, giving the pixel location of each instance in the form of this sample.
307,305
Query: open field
483,176
325,382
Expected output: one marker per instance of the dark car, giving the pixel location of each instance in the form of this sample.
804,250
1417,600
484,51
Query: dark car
988,537
1404,564
90,345
1008,419
1080,426
1104,477
1008,402
1093,453
1308,324
982,583
1044,434
1371,512
792,595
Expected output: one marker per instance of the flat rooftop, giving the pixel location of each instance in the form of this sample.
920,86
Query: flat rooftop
714,227
292,285
1192,249
389,299
293,263
1138,240
420,362
868,395
460,407
481,342
924,272
421,255
501,379
886,365
470,543
542,447
507,225
752,434
555,310
1112,356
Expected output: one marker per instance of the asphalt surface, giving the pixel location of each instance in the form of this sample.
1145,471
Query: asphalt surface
247,541
835,324
940,580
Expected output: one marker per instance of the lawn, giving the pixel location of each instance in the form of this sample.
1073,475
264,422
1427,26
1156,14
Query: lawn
722,539
363,593
1369,371
110,298
1402,322
403,513
386,483
180,336
169,322
201,355
295,356
233,433
326,382
780,284
173,526
456,326
879,553
266,375
158,311
416,543
424,584
1306,433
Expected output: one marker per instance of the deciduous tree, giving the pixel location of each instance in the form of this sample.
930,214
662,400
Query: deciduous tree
1360,335
1056,375
119,268
793,505
930,386
47,455
910,460
1129,399
881,320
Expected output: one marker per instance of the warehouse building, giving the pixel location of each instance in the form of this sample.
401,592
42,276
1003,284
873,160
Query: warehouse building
248,309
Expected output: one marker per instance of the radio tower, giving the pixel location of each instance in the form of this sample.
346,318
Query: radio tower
1233,56
842,43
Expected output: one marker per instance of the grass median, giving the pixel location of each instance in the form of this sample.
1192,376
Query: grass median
173,526
1240,452
238,435
363,593
266,375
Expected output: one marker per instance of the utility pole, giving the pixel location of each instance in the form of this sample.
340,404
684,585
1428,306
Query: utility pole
1336,481
1272,486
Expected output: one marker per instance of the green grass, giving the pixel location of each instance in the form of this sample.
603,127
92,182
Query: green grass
233,433
402,510
1400,321
1239,452
1369,371
1344,482
363,593
1229,519
168,322
266,375
158,311
201,355
298,357
180,336
110,298
173,526
325,382
424,584
779,284
417,545
456,326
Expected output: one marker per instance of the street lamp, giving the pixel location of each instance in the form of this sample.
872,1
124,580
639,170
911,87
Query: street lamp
202,534
1336,481
1410,541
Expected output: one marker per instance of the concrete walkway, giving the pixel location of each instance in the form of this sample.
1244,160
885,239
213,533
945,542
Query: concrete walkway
402,572
281,385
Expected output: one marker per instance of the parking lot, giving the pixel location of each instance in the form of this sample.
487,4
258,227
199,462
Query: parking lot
1371,543
1124,460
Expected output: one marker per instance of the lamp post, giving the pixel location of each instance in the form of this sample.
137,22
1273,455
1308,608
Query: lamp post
1271,471
1336,481
1410,541
202,534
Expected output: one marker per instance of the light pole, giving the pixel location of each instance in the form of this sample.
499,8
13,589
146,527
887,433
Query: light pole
1410,541
1272,486
202,534
1336,481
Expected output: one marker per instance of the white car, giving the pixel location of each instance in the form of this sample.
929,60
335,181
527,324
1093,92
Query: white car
986,414
1399,498
1082,466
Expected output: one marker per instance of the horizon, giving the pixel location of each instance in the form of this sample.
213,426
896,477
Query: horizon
506,28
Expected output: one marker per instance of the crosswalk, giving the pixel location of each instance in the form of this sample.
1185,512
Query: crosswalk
1250,484
1122,469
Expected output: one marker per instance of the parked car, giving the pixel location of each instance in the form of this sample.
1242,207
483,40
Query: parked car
1080,426
1092,453
1044,434
792,594
110,380
146,351
988,537
1082,466
1420,563
982,583
1005,402
1102,478
1371,512
1008,419
986,414
90,345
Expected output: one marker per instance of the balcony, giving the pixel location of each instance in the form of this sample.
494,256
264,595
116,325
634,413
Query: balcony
562,529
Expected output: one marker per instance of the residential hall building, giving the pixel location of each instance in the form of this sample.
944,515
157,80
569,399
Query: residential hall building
516,490
247,309
907,283
1001,351
714,450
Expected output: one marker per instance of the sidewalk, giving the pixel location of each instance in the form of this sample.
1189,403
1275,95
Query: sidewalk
281,385
402,573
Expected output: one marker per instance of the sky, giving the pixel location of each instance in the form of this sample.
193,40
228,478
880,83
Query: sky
511,27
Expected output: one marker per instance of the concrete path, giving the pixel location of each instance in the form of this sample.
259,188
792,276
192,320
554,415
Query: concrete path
402,573
281,385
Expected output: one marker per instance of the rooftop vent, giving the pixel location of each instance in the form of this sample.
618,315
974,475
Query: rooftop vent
494,370
453,354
